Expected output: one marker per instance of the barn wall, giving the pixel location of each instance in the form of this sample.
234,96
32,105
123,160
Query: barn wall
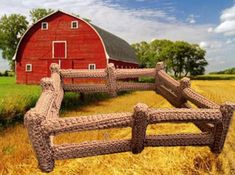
83,47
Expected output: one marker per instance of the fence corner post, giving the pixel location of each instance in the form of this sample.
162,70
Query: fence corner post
140,123
184,83
111,80
40,141
221,129
55,68
55,75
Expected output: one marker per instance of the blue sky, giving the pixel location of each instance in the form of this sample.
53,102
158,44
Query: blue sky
211,24
205,11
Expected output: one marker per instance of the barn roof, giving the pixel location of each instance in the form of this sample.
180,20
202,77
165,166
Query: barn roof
115,47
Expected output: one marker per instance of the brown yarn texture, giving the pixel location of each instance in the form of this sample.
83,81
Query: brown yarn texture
43,120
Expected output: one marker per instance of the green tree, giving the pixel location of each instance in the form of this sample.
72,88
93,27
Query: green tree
160,52
38,13
185,59
148,54
180,57
12,27
195,63
142,51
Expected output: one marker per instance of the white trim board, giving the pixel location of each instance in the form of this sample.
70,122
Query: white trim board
65,56
30,67
93,64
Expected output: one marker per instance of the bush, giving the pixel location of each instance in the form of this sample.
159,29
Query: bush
12,110
147,80
5,74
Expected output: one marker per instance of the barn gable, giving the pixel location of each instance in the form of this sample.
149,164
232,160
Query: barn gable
71,42
115,48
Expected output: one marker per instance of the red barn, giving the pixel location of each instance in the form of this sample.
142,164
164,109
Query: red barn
71,42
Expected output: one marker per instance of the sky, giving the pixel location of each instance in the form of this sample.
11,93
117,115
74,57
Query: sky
211,23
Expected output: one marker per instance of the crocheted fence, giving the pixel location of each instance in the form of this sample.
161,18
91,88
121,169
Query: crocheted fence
43,120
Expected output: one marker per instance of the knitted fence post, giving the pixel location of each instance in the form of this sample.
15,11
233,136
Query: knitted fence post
55,75
33,121
54,68
184,83
140,123
221,129
111,80
159,66
39,140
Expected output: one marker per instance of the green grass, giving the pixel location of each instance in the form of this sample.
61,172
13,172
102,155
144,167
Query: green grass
215,77
8,87
15,99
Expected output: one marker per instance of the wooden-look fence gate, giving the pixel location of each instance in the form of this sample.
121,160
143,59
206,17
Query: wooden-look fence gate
43,120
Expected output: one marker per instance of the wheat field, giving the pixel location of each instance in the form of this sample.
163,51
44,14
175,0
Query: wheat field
17,157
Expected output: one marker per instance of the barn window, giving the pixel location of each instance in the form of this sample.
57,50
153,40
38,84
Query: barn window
44,25
74,24
91,66
28,68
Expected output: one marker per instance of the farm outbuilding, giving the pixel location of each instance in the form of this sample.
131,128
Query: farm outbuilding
71,42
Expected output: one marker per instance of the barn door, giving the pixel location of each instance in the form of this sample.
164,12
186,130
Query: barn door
59,49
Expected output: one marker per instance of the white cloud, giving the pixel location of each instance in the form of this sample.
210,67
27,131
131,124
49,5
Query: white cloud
230,40
133,25
191,19
210,29
228,14
211,44
227,25
203,44
225,54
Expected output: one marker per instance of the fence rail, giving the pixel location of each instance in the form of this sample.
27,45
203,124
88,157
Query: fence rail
43,120
72,73
134,73
85,88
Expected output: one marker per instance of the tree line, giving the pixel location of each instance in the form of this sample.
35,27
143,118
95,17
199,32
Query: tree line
226,71
181,58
